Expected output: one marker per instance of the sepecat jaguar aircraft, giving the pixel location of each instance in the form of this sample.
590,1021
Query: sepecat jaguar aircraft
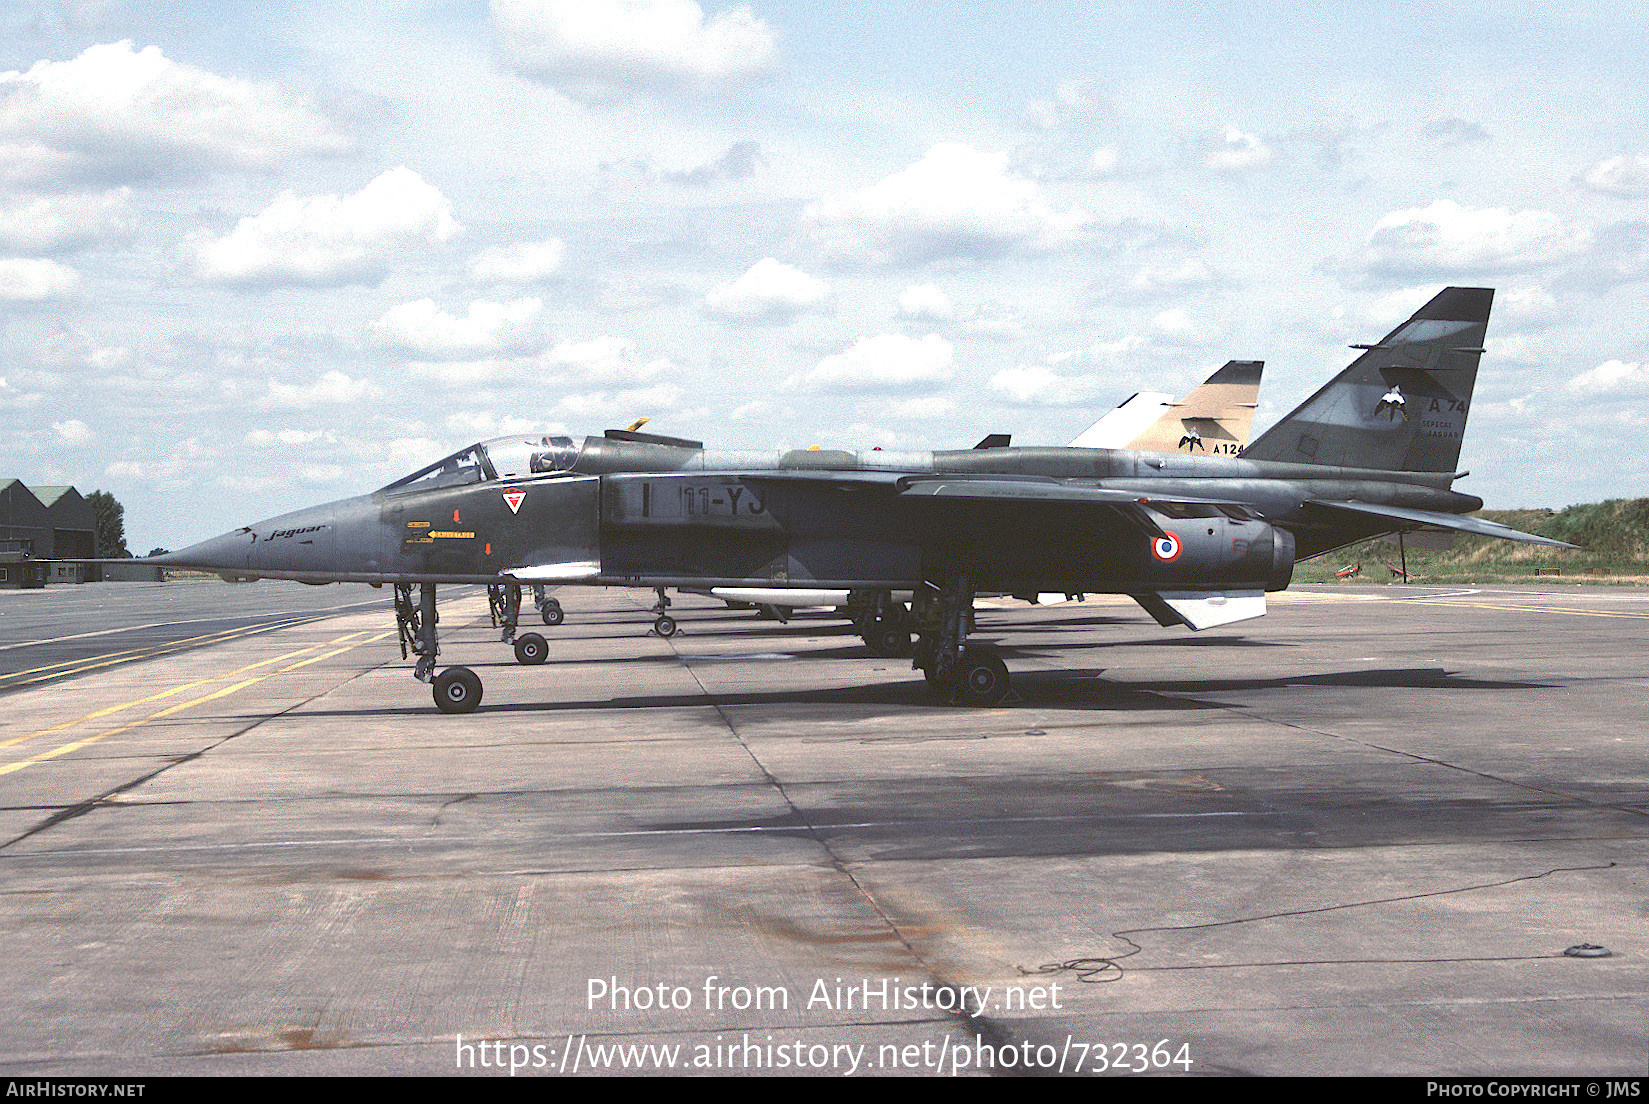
1195,539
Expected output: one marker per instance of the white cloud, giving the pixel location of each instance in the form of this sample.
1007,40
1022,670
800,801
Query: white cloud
1621,176
263,438
329,239
119,113
1036,385
1072,101
955,201
320,474
1238,152
605,358
1177,324
926,301
925,406
424,328
1446,237
332,389
595,49
484,424
888,362
110,358
1103,161
770,290
46,224
29,280
74,432
1611,375
1171,277
523,263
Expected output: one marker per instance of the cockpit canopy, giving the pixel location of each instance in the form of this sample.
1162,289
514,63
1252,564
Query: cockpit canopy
506,458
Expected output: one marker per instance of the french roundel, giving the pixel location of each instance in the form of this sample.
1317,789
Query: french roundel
1166,548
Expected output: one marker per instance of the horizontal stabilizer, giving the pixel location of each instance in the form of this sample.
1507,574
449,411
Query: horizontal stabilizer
1199,609
1404,518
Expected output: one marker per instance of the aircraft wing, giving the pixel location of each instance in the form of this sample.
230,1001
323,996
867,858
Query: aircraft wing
988,491
1402,517
1042,489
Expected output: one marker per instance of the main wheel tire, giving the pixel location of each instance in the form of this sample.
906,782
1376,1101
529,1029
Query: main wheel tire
981,678
665,626
457,690
552,614
531,649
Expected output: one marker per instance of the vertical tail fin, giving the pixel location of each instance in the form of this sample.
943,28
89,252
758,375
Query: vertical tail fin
1137,413
1402,405
1213,420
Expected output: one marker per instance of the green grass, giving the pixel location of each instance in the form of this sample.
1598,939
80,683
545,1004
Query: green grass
1613,538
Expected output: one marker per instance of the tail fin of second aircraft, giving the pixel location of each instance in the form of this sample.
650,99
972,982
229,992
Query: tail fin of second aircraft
1212,420
1402,405
1136,414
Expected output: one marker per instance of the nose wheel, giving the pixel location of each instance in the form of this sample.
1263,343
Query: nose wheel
457,690
531,649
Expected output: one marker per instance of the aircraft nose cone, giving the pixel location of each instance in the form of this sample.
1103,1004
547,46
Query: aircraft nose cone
291,546
229,554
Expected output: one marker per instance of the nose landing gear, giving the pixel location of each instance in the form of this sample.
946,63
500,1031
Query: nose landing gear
457,689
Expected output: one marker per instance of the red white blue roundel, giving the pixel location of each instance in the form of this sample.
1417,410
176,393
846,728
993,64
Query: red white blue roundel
1166,548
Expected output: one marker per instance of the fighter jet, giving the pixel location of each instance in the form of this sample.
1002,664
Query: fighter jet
1197,540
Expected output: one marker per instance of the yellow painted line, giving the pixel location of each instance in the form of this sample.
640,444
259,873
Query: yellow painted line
1540,609
185,686
222,692
110,659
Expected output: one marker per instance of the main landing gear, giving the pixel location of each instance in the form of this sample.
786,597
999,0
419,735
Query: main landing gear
457,689
663,624
531,649
548,608
505,600
959,672
883,624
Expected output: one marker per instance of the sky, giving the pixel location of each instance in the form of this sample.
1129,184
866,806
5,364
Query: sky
258,256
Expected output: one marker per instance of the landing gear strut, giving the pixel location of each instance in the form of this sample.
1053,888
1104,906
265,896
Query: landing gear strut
663,624
884,625
505,598
457,689
957,671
